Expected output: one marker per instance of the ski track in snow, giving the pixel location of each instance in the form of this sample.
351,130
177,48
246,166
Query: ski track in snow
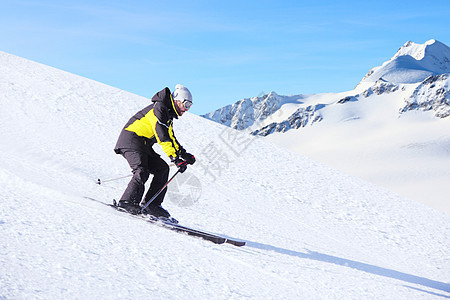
311,231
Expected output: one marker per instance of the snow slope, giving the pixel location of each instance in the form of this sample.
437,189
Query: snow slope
312,231
408,154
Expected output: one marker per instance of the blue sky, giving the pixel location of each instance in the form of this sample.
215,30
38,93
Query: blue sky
222,50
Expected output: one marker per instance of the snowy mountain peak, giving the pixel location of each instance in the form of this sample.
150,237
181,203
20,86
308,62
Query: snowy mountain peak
413,63
431,48
247,111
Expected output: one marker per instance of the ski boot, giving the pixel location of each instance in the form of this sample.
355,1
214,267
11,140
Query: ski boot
158,212
131,207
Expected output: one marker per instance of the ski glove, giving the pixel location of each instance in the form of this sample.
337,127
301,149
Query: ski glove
181,164
189,158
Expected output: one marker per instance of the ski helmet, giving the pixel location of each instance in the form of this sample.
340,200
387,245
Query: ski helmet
181,93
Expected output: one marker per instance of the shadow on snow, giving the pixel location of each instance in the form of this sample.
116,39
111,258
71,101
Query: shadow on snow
372,269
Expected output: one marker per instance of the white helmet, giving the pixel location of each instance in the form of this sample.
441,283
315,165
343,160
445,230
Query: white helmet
182,93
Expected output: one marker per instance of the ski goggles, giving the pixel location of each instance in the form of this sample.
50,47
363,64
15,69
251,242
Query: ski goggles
187,104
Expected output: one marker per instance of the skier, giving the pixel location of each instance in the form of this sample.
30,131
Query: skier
151,125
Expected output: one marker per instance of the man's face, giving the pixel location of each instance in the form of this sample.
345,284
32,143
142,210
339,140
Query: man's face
182,107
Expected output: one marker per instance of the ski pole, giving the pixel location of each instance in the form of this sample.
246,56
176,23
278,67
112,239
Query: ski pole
99,181
157,194
112,179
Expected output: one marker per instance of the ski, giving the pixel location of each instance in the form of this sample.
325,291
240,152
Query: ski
216,239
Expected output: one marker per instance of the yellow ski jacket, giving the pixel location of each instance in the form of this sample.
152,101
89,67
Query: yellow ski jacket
151,125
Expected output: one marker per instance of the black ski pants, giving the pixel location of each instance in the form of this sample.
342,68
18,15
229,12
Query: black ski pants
142,165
